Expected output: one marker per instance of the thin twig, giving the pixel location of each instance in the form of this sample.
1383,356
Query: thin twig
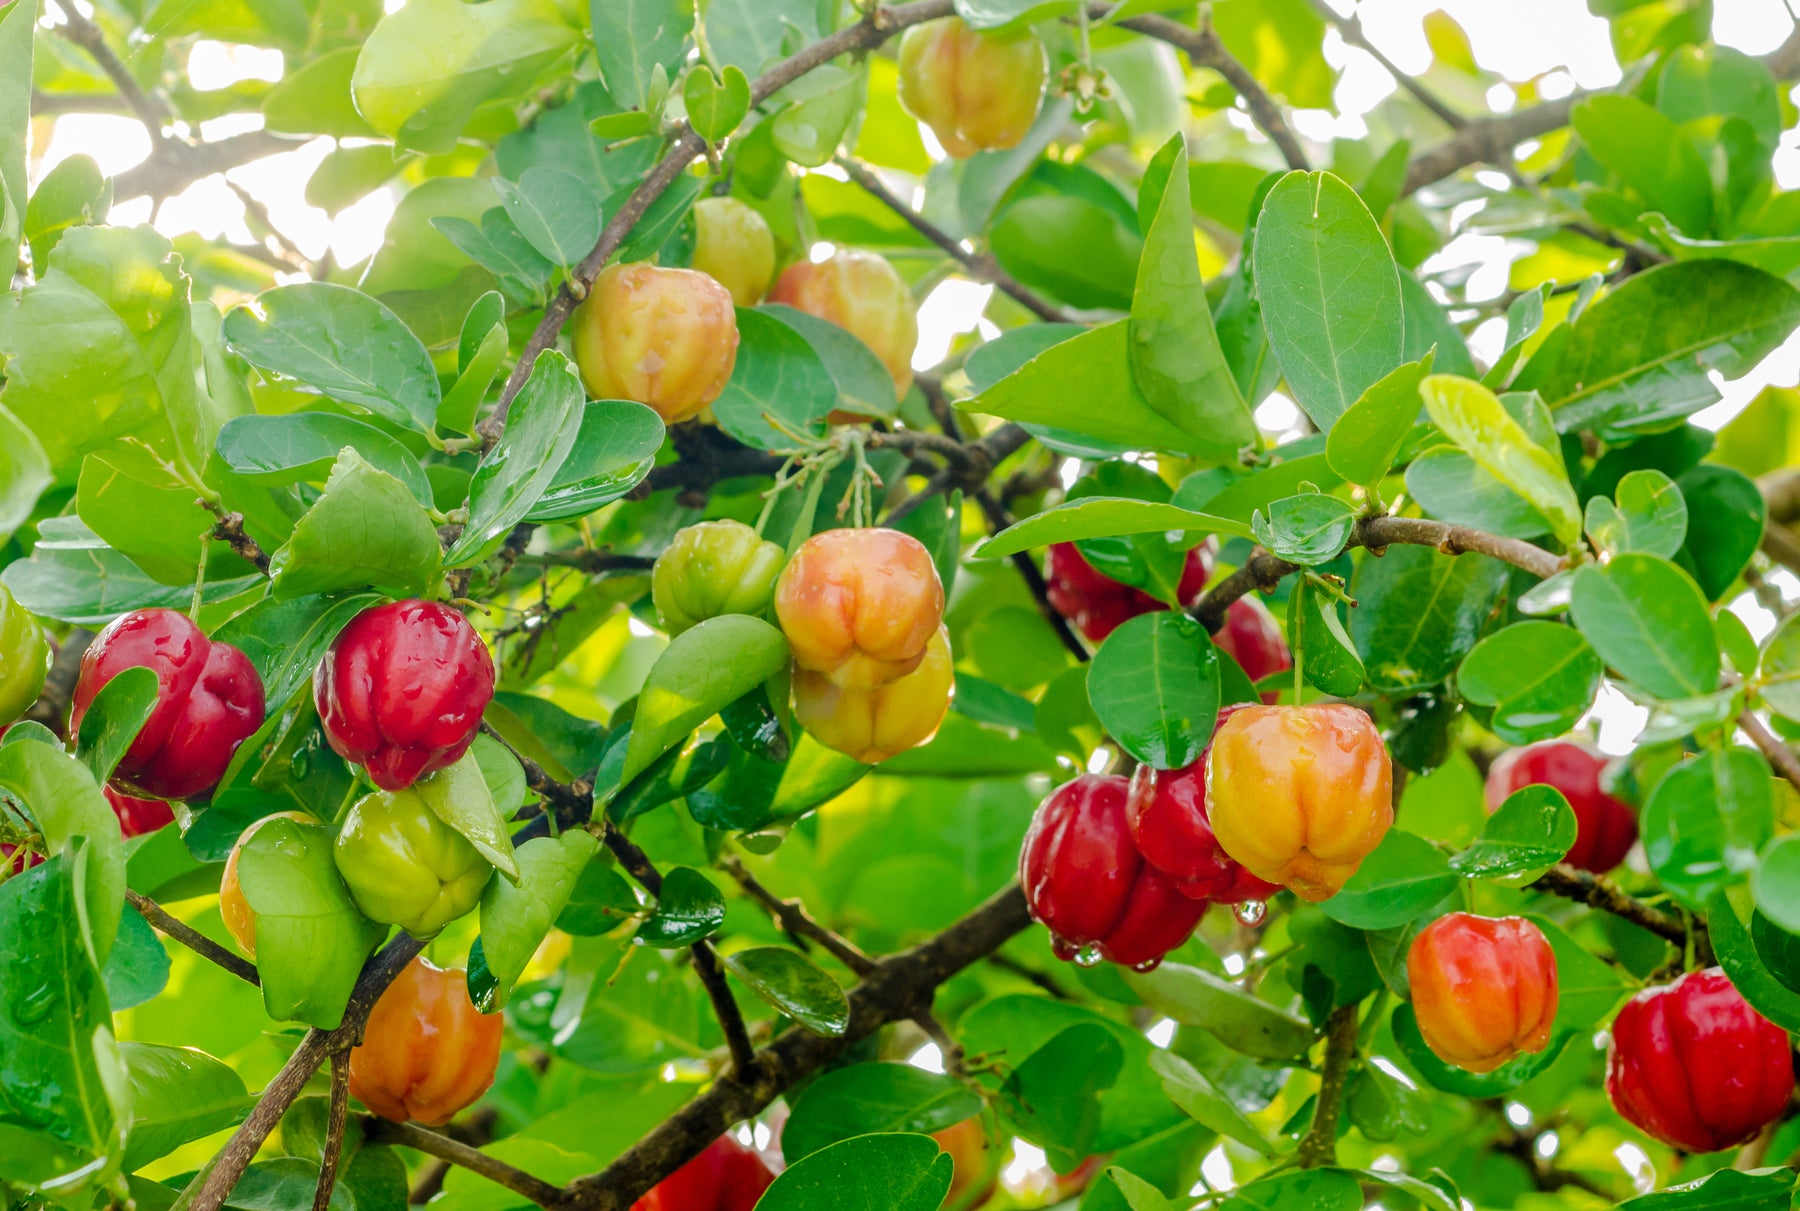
334,1130
193,939
1319,1145
1351,29
88,36
229,529
591,562
432,1143
796,920
1779,754
1597,891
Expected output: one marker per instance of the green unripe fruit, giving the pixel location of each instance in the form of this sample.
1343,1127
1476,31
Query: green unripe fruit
714,568
405,866
24,658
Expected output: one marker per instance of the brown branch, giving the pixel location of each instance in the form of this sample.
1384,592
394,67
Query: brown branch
192,938
1204,49
1597,891
985,455
174,165
1319,1145
976,264
1351,29
52,706
895,989
1487,141
88,36
229,529
432,1143
796,920
334,1130
591,562
1779,754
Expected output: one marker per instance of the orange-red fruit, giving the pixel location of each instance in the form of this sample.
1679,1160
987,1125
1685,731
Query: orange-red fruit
1693,1065
977,91
1300,795
859,607
873,725
863,294
663,337
427,1052
240,918
974,1178
1484,989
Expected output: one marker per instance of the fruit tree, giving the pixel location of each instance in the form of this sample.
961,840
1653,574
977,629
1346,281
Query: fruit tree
686,605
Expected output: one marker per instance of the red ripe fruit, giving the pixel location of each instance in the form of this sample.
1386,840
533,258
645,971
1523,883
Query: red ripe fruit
1097,604
16,859
1694,1066
138,816
209,700
1085,879
402,689
1606,828
726,1177
1170,821
1251,638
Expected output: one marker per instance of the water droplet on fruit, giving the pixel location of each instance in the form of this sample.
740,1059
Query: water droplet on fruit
1062,948
1251,912
1088,956
1147,966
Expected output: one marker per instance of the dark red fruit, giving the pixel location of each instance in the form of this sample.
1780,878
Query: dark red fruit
1251,638
402,689
1097,604
1085,879
1171,823
726,1177
1606,827
139,816
209,700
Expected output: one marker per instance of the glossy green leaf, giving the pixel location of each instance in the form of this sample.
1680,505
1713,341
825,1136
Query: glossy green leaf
1101,517
285,639
632,38
1404,876
1726,1190
1330,663
137,970
1650,516
74,193
820,106
779,373
1647,619
480,350
1202,1101
865,1099
1532,830
1309,529
1540,677
716,105
701,671
1450,486
866,1172
1368,436
1052,1097
459,796
795,985
1420,612
1154,686
688,908
555,210
1241,1021
303,446
1330,293
65,800
613,452
1475,419
1776,882
598,903
1705,821
1319,1189
1726,515
1651,155
516,917
365,530
1738,957
1028,235
113,719
864,385
135,501
178,1094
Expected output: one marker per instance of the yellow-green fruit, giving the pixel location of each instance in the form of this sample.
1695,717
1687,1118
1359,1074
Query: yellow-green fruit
714,568
734,246
24,658
405,866
663,337
977,91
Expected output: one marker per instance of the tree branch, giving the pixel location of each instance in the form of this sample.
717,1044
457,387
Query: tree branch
1779,754
52,707
1319,1145
1597,891
1487,141
976,264
192,938
1351,29
88,36
175,165
432,1143
796,920
334,1130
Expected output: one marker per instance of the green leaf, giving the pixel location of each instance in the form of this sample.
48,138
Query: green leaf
137,970
632,38
1085,385
1451,487
426,68
1726,1190
1648,621
343,343
1202,1101
1309,529
480,349
1331,664
1532,830
599,901
1315,1189
1587,988
864,385
701,671
1738,957
1101,517
1649,153
74,577
1154,685
178,1095
867,1099
1726,514
303,447
1705,821
715,106
66,802
365,530
62,1084
459,796
1139,1195
865,1173
310,940
613,452
1650,516
1699,82
1174,350
819,108
1420,613
1540,677
1474,418
546,419
688,908
1029,235
1641,356
285,639
778,373
1368,436
132,499
24,473
795,985
1330,293
1524,317
1403,877
15,123
1052,1098
1776,882
555,210
73,194
1451,1079
515,918
1242,1022
113,719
